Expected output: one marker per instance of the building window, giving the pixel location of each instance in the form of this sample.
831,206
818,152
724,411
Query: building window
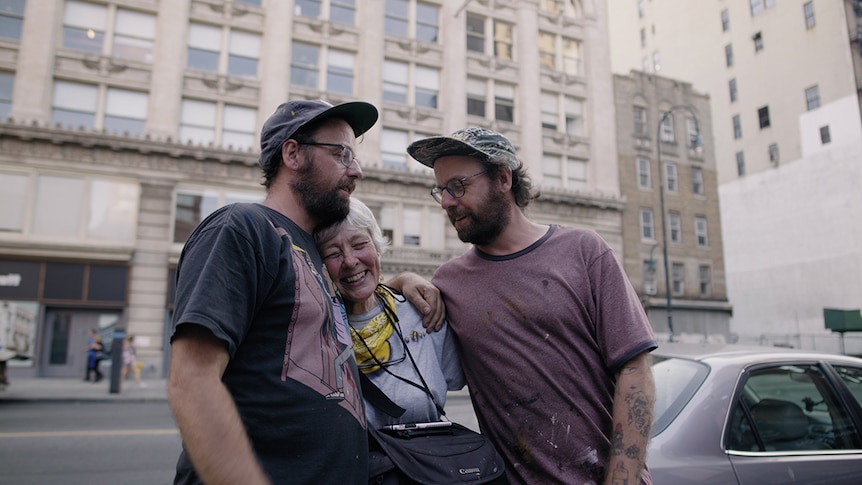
427,86
7,85
552,170
339,71
773,153
396,84
205,123
643,171
393,148
411,19
640,117
643,37
693,139
732,87
574,113
645,64
85,28
656,61
808,9
825,137
243,52
11,19
705,276
477,92
678,278
697,181
758,41
763,117
475,33
13,199
303,65
758,6
576,174
700,231
740,164
737,127
193,206
675,227
569,57
549,111
412,218
647,225
503,40
725,20
125,112
812,97
204,51
671,177
640,8
75,106
728,55
667,131
504,102
340,11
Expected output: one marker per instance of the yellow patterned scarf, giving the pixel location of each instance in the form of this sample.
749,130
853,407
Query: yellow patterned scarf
374,336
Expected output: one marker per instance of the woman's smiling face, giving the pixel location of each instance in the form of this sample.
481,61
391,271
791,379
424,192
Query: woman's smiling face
354,265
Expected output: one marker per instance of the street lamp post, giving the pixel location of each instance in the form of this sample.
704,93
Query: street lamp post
696,142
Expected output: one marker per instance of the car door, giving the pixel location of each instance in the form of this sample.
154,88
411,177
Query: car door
791,424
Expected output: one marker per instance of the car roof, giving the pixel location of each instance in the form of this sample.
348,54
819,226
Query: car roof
737,352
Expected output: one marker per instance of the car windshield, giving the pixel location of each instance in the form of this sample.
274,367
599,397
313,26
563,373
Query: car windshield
676,381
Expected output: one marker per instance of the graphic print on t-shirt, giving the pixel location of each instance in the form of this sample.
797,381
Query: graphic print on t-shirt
318,352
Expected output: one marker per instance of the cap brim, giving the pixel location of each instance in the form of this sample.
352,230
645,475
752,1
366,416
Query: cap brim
360,115
428,150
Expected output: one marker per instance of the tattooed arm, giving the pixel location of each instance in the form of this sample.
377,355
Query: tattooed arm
634,399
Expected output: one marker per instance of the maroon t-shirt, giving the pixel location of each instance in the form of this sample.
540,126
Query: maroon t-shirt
542,333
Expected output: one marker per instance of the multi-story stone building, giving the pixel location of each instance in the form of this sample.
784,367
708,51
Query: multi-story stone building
678,179
125,122
783,80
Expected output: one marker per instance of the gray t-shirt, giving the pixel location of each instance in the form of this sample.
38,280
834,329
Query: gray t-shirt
436,357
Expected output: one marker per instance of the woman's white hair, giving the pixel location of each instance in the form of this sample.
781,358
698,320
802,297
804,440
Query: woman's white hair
360,217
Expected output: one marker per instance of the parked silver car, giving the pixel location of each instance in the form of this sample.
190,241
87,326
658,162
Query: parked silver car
730,414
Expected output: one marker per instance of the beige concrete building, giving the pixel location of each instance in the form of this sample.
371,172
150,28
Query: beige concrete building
677,178
126,122
783,80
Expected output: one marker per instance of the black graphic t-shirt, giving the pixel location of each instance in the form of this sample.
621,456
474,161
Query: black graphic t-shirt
255,279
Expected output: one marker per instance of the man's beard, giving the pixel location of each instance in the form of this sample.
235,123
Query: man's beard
496,213
324,206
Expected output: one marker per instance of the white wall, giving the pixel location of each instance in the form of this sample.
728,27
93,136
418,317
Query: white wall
793,242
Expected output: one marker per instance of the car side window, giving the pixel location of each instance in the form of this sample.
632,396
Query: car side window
789,408
852,377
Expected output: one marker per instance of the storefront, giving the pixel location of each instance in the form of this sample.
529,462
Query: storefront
47,307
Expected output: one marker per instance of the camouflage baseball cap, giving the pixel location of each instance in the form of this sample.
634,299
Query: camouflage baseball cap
480,143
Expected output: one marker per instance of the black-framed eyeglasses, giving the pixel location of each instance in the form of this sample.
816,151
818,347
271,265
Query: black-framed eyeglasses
346,156
456,188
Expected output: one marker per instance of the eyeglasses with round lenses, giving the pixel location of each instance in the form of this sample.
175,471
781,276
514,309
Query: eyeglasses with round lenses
346,157
456,188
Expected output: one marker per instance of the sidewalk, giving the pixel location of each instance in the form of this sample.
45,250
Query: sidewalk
75,389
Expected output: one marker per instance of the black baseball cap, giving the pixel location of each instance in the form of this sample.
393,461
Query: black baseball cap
291,116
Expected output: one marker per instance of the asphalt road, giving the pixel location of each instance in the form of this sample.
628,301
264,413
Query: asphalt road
122,443
105,442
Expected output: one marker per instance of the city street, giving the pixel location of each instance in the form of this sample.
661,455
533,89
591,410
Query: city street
106,442
55,442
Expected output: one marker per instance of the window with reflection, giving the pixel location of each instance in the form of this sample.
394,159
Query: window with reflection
549,111
11,19
395,77
547,50
204,50
303,65
504,101
475,33
125,111
503,40
74,105
643,170
339,71
477,92
393,148
552,170
7,85
120,32
13,199
200,122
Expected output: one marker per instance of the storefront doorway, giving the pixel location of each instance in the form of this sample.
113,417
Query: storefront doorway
65,339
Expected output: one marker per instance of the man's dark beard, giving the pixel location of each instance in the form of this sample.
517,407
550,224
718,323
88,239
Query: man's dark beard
324,207
496,213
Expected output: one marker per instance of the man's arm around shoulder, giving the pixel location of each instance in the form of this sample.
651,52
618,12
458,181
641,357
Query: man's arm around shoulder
212,431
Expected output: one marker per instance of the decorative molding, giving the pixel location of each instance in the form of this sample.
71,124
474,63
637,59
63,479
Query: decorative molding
106,66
